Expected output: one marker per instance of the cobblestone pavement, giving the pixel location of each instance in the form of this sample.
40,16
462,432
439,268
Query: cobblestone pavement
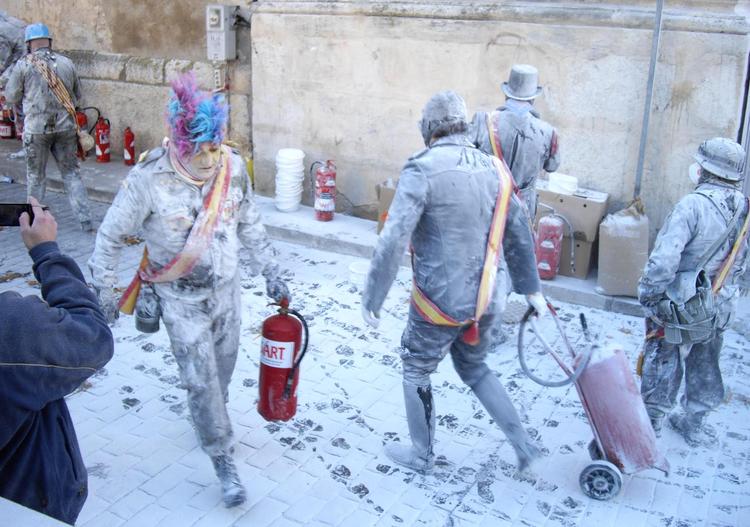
326,467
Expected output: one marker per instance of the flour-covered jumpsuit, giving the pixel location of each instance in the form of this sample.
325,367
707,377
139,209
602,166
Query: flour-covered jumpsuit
692,227
529,145
444,205
48,127
201,311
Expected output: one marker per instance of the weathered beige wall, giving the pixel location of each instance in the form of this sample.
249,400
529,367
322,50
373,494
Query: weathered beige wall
348,80
127,52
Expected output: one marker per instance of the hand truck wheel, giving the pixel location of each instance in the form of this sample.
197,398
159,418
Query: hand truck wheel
601,480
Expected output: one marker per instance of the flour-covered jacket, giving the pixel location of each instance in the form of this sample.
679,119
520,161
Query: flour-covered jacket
691,228
444,204
529,144
43,112
166,205
12,45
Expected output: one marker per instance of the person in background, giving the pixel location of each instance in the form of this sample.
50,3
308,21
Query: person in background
49,127
515,132
457,208
49,347
698,261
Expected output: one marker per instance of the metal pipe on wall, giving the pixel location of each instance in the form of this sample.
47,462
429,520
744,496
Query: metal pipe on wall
656,40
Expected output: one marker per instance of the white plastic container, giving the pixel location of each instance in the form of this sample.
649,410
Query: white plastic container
358,272
290,174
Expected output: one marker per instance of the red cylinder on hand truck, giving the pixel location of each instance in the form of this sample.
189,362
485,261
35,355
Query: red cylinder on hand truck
128,148
281,352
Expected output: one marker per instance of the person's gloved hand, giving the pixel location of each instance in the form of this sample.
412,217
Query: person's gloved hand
539,303
373,319
277,290
108,301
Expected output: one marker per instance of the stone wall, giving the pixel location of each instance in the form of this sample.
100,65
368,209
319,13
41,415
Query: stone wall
347,80
127,52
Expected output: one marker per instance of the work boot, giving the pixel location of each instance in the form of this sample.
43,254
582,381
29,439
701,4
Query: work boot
232,491
420,415
690,426
492,395
656,417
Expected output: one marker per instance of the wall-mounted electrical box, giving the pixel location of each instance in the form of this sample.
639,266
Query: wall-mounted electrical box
221,37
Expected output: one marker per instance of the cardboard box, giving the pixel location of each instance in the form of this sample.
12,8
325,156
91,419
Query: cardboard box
582,257
623,251
385,192
584,209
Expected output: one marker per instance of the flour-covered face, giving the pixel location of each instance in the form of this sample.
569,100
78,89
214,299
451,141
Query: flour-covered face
204,162
694,173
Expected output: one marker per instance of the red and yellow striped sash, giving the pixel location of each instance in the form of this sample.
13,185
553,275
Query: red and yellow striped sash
198,240
494,133
431,312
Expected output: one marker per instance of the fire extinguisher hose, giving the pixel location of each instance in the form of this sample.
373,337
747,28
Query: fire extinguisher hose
98,114
582,358
293,370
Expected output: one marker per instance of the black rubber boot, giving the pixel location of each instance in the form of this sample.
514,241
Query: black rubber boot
420,415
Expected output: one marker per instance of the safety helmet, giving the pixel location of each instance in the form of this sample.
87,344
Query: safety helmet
722,157
35,31
445,108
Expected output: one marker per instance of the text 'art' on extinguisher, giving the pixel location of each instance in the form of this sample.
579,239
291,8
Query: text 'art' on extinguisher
281,352
101,138
324,186
128,148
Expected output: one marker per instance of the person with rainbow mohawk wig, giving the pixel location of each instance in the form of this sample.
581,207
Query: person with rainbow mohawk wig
191,198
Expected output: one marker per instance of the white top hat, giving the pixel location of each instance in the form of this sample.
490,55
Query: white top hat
523,83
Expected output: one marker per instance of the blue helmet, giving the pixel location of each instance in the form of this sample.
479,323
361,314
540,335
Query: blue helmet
35,31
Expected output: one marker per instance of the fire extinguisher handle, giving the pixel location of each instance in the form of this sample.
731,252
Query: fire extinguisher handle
293,370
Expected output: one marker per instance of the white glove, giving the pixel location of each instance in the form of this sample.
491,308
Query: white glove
373,319
539,303
108,301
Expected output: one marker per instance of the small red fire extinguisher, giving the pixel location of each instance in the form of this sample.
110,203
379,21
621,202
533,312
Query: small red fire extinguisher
548,245
101,137
281,352
324,185
128,149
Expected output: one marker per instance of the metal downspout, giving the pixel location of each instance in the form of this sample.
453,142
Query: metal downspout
649,96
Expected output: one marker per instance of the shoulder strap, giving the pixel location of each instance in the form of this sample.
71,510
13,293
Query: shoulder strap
723,273
721,239
493,129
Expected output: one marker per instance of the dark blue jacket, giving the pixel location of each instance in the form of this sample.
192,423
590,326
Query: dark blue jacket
47,349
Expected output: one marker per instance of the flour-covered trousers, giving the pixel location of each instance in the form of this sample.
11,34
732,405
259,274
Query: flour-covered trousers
424,346
63,147
205,333
663,371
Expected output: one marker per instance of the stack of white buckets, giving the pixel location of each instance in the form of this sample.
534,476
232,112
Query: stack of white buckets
290,173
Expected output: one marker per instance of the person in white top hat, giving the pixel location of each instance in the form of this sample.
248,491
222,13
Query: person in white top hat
516,133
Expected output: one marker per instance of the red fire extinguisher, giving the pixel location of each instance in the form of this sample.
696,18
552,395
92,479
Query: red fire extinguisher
548,247
324,185
128,149
7,126
281,352
101,138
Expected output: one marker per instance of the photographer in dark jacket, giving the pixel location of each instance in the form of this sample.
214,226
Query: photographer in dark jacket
47,349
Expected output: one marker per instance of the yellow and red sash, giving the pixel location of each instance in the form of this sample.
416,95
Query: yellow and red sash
197,241
494,133
432,313
726,267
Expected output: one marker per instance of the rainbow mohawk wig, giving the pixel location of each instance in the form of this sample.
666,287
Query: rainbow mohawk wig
195,116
